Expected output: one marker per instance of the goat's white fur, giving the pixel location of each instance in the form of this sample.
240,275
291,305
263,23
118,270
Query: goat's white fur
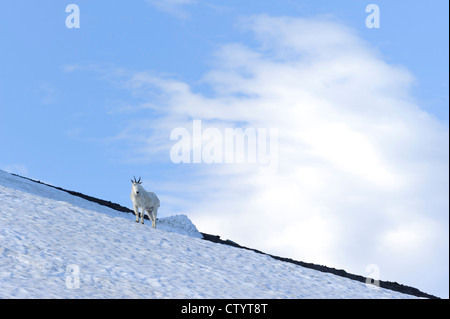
147,201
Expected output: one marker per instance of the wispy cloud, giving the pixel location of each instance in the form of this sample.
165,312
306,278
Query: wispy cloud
176,8
48,93
16,168
363,170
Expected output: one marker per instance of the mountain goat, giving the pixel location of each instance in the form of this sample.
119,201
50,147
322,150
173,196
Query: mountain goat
147,201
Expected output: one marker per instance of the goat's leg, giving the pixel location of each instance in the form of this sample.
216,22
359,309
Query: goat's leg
153,214
136,212
150,216
142,215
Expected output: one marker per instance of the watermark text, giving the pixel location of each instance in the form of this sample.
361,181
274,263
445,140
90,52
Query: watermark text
229,146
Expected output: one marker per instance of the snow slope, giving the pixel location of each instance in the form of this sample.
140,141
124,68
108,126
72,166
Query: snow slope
55,245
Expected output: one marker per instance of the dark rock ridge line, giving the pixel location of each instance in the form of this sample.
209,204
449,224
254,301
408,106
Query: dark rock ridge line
339,272
216,239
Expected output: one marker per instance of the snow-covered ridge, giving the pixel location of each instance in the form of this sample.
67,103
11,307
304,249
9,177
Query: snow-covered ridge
55,245
179,223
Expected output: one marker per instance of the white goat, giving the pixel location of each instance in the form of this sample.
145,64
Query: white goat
147,201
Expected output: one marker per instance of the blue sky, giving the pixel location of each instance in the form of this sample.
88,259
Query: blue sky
362,116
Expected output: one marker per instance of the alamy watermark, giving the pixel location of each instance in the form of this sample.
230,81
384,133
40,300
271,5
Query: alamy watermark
373,279
373,19
73,19
73,276
229,146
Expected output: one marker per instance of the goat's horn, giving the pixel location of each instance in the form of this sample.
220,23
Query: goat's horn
139,181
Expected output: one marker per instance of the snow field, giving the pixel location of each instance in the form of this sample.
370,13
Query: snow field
53,245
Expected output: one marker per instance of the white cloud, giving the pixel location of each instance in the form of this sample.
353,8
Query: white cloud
363,172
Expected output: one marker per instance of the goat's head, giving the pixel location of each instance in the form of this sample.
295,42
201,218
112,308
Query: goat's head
136,186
